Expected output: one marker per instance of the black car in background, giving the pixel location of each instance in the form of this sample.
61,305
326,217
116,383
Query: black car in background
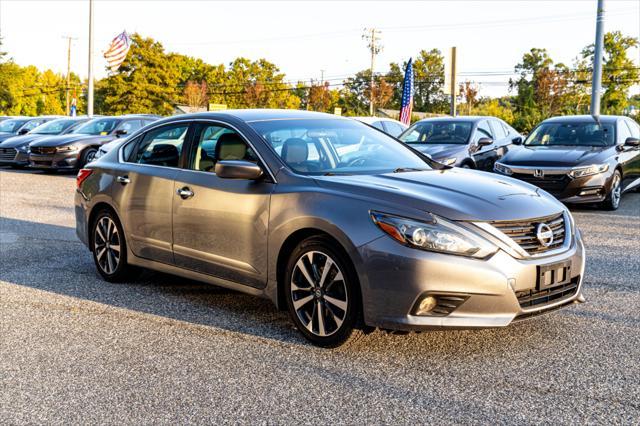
21,125
578,159
471,142
15,150
74,150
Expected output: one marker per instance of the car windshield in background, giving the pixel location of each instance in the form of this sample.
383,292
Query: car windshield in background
438,132
326,146
99,126
54,127
571,134
11,126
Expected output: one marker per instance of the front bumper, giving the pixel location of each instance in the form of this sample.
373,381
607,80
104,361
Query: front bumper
397,277
57,161
13,157
588,189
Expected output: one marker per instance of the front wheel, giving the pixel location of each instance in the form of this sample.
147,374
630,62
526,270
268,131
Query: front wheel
88,155
612,202
322,293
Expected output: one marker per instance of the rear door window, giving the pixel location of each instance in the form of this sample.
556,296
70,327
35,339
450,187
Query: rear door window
498,130
162,146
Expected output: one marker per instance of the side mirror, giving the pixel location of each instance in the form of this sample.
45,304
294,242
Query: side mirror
632,142
23,131
120,132
238,169
517,140
485,141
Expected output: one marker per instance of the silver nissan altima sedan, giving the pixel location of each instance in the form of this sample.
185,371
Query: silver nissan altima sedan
343,226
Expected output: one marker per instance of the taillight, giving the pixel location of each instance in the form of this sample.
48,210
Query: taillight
83,174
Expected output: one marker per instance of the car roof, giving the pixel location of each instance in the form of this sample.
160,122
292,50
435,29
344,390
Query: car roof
249,115
370,120
467,118
583,118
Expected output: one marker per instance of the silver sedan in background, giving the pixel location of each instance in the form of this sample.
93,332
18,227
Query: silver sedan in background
343,226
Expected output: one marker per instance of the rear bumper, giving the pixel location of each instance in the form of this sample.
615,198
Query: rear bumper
398,277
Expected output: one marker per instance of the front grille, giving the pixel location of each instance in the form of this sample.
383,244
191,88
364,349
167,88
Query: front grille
535,298
554,184
45,150
7,154
524,233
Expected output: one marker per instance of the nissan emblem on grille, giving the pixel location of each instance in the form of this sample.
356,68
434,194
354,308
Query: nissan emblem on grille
538,173
544,233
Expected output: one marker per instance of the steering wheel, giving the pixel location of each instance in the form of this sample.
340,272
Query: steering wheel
360,161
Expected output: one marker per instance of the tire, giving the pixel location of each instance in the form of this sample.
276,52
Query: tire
466,166
111,262
88,155
329,316
612,202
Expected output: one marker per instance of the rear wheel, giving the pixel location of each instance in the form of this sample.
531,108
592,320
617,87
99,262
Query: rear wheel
612,202
322,293
109,247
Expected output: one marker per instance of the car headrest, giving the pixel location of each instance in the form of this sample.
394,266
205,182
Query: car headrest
230,147
295,150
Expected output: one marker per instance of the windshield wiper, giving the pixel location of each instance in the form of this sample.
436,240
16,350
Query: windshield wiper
408,169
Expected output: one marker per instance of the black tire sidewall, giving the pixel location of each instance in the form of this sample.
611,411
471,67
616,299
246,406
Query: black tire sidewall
85,155
351,284
122,265
608,203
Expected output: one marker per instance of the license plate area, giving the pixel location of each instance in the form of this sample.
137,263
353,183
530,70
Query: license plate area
553,275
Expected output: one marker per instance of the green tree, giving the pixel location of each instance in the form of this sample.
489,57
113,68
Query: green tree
619,72
148,81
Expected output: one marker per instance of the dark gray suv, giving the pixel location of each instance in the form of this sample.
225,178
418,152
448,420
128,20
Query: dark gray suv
343,226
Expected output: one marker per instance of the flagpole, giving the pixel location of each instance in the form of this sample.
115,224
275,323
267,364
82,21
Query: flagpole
90,84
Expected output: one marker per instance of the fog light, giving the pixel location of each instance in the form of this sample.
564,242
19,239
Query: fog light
426,305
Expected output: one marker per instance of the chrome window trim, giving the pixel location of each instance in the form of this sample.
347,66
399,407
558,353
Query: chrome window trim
189,121
568,240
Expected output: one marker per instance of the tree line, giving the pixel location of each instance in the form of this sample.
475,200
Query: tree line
152,80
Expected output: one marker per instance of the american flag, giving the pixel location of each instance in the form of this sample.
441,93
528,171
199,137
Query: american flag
406,106
117,51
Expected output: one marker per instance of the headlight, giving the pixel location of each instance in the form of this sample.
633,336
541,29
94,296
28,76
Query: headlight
436,235
67,148
501,168
594,169
448,161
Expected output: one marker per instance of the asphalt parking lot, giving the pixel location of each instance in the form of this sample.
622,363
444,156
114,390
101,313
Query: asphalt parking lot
161,349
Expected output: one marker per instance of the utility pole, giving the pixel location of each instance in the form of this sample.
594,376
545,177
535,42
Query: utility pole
596,84
453,81
372,36
90,83
322,77
69,38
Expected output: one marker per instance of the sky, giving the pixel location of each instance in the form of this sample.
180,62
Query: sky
308,39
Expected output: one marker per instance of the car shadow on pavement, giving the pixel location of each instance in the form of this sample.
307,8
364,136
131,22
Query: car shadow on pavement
51,258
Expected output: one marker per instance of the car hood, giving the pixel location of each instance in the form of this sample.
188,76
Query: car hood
441,151
456,194
557,156
5,136
18,141
61,140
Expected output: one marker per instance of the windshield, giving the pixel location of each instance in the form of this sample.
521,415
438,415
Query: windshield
11,126
54,127
99,126
336,146
438,132
572,134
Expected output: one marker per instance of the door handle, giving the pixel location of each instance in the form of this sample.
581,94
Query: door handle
123,179
185,193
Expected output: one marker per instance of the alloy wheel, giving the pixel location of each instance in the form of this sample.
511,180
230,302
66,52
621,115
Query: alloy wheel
616,191
107,245
319,293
